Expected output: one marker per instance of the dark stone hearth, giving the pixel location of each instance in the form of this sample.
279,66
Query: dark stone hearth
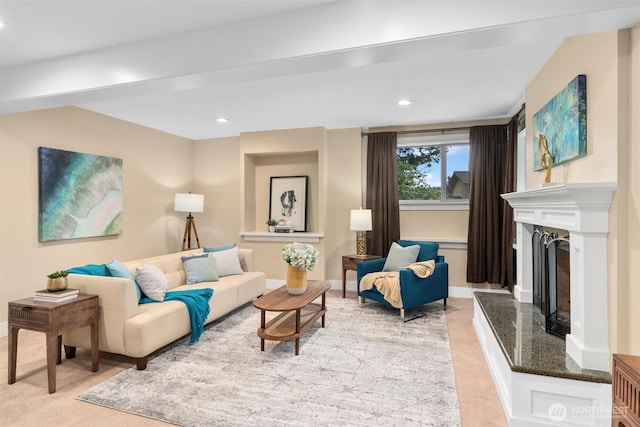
520,330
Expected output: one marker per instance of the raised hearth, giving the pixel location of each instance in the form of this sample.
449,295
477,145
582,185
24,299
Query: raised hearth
537,382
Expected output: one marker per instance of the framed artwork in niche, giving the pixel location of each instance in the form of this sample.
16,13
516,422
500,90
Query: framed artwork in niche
563,122
80,195
288,201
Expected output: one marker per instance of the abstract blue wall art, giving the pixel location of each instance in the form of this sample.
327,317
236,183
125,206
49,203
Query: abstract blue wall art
80,195
563,121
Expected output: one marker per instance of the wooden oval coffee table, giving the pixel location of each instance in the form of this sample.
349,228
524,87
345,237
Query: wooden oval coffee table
298,312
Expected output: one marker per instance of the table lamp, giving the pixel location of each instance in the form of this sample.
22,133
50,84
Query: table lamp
187,202
361,223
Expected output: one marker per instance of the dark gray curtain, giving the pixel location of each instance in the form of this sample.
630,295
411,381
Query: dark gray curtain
382,192
508,186
488,155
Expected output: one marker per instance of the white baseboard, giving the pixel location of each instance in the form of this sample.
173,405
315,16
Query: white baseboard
4,329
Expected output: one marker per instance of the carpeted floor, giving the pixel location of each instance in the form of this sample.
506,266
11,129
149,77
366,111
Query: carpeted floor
376,371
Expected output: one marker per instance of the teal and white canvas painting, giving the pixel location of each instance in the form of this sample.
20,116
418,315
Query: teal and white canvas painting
563,122
80,195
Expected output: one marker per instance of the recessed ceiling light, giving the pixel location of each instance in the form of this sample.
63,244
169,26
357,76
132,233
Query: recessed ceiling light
222,120
2,24
405,102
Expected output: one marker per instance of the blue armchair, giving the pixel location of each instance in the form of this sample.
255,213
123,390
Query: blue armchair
414,290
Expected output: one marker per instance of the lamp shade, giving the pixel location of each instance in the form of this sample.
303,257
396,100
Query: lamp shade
361,220
188,202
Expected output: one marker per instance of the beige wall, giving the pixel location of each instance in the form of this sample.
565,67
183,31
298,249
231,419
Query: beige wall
604,59
632,297
234,174
248,162
155,166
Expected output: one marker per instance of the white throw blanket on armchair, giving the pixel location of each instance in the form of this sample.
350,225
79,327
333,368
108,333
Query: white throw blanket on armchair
388,282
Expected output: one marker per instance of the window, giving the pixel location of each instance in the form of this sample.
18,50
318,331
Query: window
429,164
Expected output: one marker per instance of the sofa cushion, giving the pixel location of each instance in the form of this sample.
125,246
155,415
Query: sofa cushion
152,281
118,269
400,257
219,248
227,262
200,268
428,250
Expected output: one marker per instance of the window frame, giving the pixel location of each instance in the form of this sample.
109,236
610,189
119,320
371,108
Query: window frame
444,139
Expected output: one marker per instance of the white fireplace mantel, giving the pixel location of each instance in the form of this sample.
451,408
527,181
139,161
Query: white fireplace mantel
583,210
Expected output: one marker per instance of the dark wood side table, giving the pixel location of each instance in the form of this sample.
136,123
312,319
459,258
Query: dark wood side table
54,319
350,262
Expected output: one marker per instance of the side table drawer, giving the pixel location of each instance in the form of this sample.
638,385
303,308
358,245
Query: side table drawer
26,316
349,263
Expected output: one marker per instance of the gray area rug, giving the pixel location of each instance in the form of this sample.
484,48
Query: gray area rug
364,368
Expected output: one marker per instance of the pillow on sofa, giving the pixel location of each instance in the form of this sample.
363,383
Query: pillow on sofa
200,268
152,281
428,250
400,257
218,248
227,262
118,269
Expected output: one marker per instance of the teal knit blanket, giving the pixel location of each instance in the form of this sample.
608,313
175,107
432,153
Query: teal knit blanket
197,302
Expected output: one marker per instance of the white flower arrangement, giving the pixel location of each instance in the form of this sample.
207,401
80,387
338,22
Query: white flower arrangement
300,255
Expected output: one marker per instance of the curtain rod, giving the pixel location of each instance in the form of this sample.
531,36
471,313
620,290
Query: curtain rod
440,130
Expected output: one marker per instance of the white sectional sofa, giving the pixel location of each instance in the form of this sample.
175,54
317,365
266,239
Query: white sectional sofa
137,330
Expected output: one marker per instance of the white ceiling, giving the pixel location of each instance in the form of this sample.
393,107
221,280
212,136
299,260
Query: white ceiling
175,65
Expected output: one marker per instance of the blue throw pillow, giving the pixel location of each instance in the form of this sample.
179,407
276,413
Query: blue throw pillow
219,248
90,270
118,269
200,268
428,250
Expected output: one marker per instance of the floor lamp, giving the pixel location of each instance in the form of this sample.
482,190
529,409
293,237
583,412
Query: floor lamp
361,223
187,202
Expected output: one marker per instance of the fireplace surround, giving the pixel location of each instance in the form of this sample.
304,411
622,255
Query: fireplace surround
583,210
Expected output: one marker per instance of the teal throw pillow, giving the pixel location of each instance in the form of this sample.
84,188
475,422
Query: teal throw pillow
400,257
200,268
118,269
428,250
219,248
90,270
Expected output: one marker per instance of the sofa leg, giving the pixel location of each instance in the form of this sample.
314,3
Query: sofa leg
445,304
141,363
402,314
362,300
69,352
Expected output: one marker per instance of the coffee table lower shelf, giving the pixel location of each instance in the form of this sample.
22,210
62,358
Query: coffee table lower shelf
284,327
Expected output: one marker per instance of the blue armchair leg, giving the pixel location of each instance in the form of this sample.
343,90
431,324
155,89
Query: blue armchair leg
404,320
362,300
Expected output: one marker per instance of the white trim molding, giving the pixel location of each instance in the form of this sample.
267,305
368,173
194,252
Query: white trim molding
263,236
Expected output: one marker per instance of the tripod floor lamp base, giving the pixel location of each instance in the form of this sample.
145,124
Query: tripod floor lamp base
186,238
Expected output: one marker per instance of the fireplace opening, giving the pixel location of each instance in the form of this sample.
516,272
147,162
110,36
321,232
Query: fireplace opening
552,279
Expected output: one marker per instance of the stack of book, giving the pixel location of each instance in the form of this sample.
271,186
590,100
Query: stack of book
56,296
